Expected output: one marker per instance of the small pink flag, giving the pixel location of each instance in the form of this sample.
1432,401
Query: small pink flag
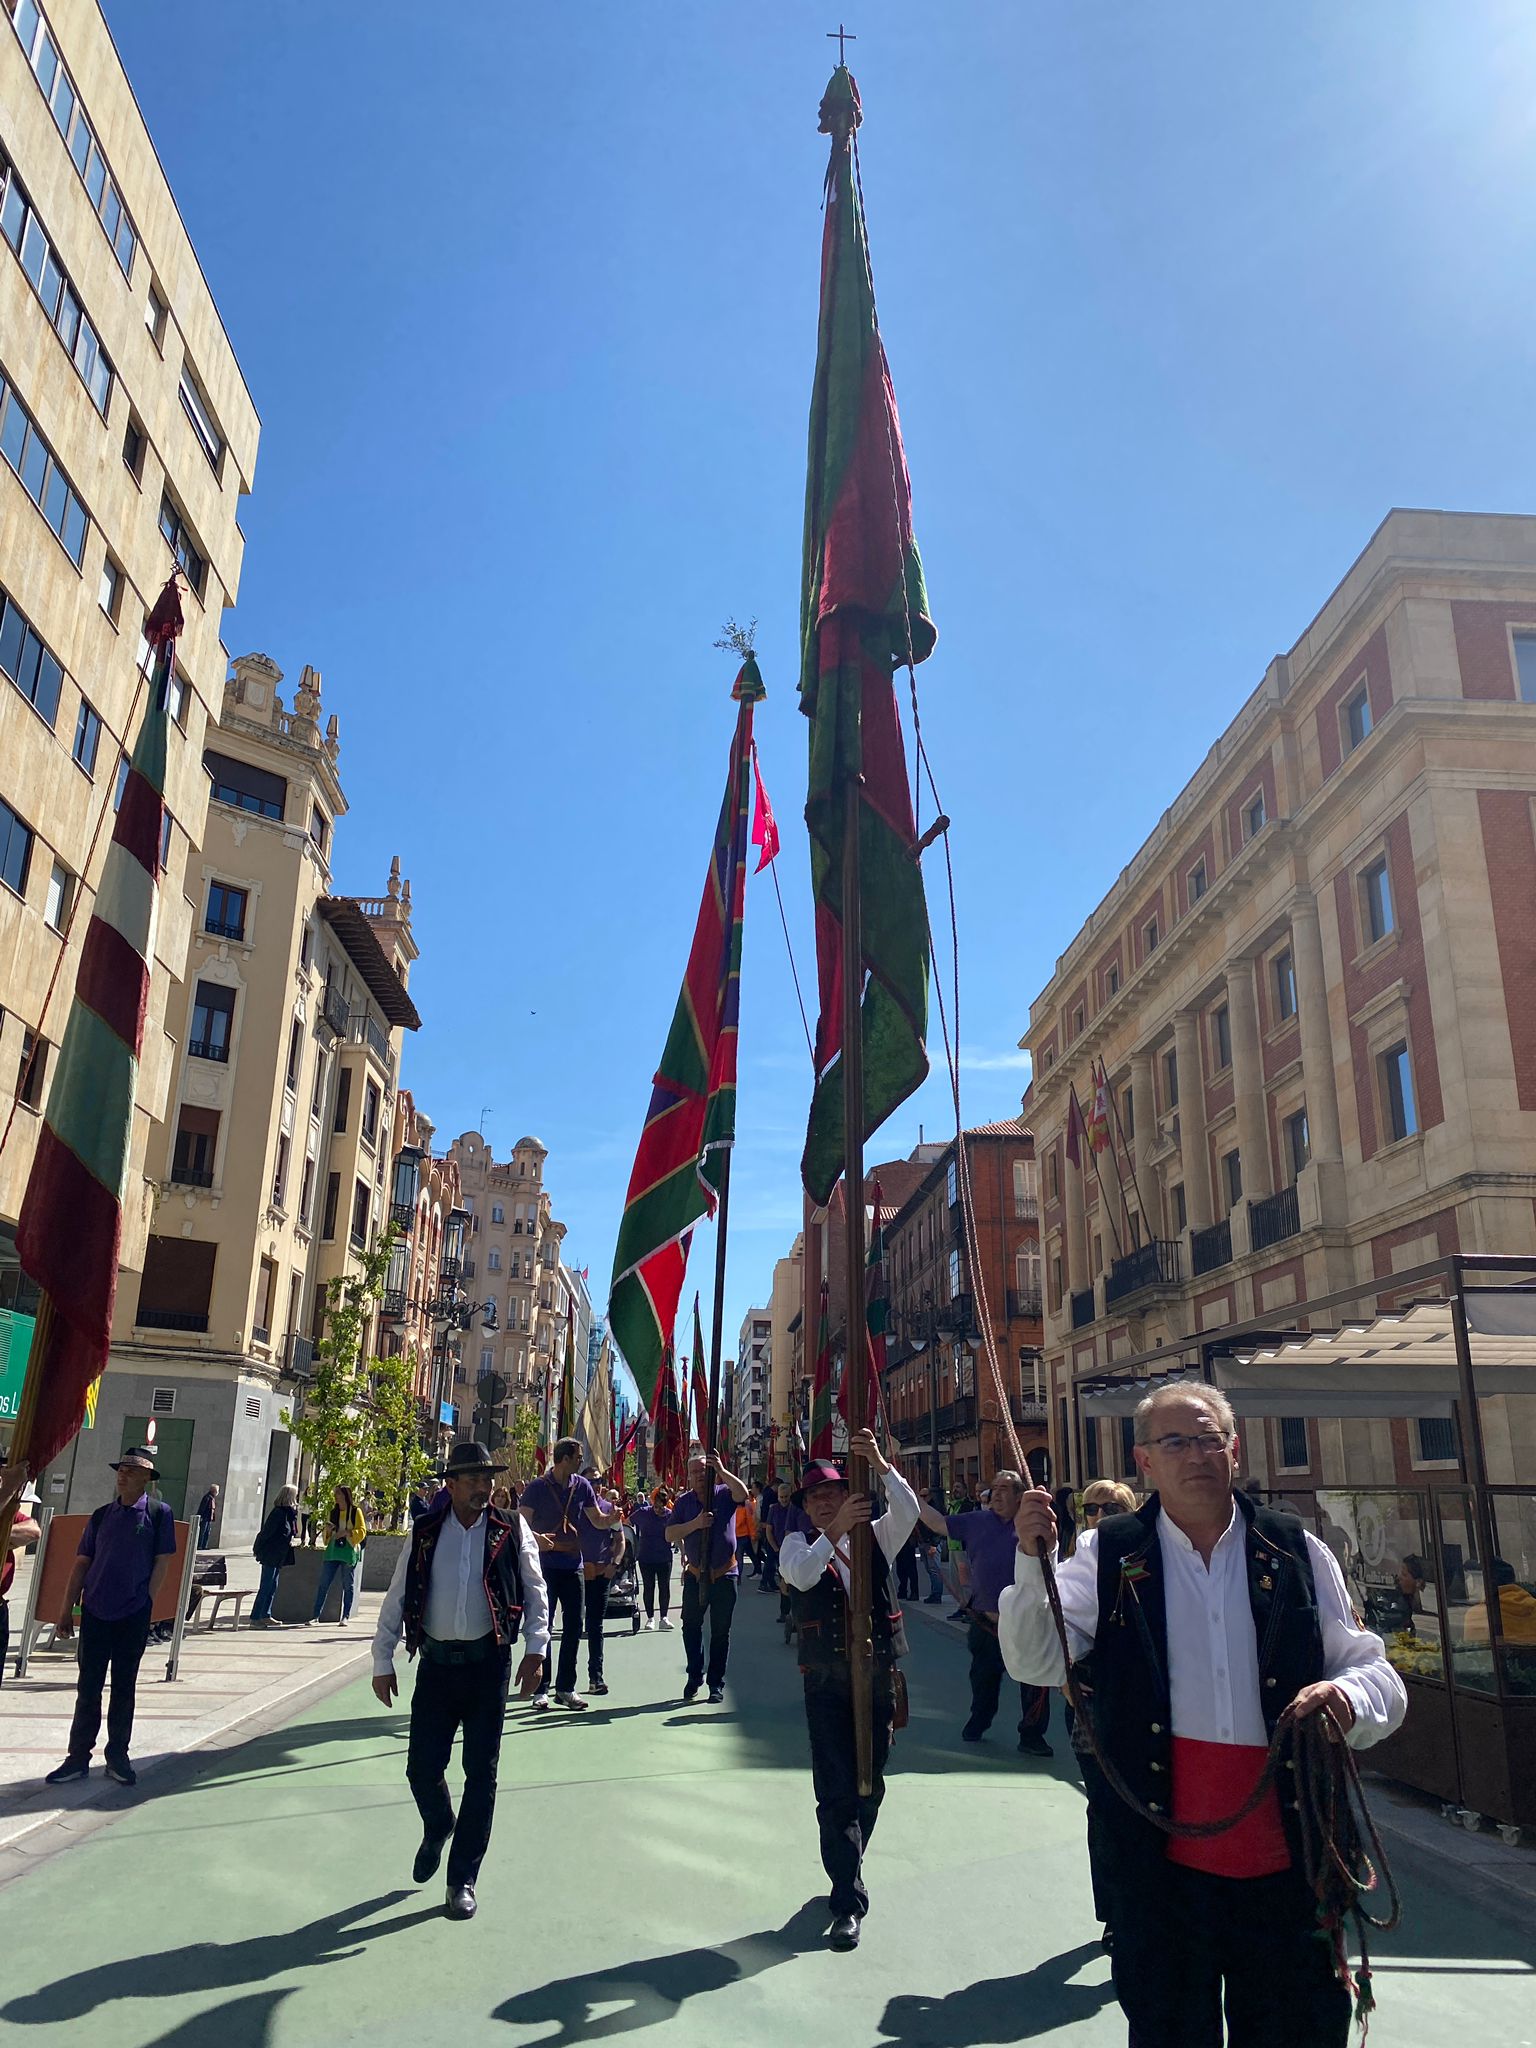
765,828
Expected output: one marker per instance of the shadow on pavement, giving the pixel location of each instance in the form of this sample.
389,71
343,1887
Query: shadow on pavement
1002,2009
214,1966
242,2023
656,1988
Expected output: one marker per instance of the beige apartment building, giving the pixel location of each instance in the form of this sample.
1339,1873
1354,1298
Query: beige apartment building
269,1170
425,1306
786,1316
128,441
1313,994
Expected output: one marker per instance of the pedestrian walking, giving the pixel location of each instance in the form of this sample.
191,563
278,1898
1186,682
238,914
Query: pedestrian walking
906,1567
928,1552
990,1550
24,1530
556,1506
602,1551
746,1535
816,1570
206,1509
125,1552
648,1520
273,1551
420,1500
1240,1614
709,1577
467,1581
780,1516
348,1532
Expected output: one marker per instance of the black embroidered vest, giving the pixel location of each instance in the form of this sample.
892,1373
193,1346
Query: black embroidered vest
503,1573
1128,1666
821,1620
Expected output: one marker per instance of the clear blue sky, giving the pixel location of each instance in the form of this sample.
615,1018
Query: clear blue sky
1179,300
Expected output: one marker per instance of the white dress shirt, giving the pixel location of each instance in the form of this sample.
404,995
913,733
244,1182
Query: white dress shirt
803,1560
1213,1660
457,1610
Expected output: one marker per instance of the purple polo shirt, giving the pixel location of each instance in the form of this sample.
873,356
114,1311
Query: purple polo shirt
778,1522
122,1548
991,1549
650,1534
554,1511
722,1537
596,1544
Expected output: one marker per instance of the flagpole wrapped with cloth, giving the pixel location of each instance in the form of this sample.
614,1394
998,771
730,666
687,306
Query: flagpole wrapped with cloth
864,614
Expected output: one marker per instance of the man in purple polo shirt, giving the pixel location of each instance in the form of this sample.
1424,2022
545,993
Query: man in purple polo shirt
125,1552
709,1584
555,1507
991,1550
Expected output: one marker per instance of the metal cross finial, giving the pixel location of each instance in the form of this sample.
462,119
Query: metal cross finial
840,36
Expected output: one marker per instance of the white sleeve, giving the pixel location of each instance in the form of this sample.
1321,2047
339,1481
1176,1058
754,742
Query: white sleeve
1026,1631
535,1593
803,1563
892,1529
1353,1657
386,1635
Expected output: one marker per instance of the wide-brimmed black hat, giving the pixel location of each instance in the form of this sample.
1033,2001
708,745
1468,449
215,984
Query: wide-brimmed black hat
820,1472
140,1459
466,1458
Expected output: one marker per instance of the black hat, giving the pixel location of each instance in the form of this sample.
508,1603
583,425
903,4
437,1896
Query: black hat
469,1457
820,1472
139,1458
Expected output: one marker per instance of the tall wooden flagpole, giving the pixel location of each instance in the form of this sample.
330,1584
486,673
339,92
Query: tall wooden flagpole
861,1648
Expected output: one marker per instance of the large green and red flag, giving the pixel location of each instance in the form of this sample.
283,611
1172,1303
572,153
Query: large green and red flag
669,1430
876,1315
863,614
69,1232
568,1377
691,1121
700,1382
821,1385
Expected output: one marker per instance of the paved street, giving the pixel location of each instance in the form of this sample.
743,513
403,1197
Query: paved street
651,1867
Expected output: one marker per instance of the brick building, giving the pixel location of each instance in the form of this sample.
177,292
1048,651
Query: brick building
1310,991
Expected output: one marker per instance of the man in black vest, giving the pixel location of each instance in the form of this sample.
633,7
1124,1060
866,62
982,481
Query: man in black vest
815,1570
1203,1617
467,1581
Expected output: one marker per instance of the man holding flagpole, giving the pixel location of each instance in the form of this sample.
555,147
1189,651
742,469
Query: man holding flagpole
555,1506
709,1575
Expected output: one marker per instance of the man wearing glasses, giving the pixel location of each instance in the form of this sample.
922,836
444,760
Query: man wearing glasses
1206,1616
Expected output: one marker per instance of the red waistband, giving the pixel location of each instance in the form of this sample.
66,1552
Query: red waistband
1211,1779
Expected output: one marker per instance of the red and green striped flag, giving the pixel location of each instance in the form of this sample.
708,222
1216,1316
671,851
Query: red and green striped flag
863,614
669,1434
69,1232
876,1315
700,1382
692,1116
568,1377
821,1385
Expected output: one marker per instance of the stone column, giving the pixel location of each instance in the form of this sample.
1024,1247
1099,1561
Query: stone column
1144,1108
1316,1037
1248,1081
1193,1151
1079,1273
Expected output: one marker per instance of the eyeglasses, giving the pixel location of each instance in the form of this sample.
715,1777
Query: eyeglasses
1097,1507
1207,1443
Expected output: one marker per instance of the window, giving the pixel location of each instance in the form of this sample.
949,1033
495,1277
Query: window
177,1286
1285,985
87,738
1112,979
1179,1209
135,441
26,235
196,408
951,1186
1298,1142
189,558
15,849
266,1287
280,1172
225,915
1376,895
167,825
1295,1452
247,788
1525,666
317,1094
41,477
1356,717
498,1214
332,1203
32,1070
197,1137
307,1191
1232,1178
1221,1037
58,89
1171,1079
1128,1446
121,783
1149,936
1128,1114
111,592
31,666
371,1101
213,1014
1091,1447
319,828
1053,1175
1255,816
1437,1440
1026,1187
493,1260
1078,1021
61,894
176,697
295,1055
954,1274
360,1212
155,311
1397,1092
1197,882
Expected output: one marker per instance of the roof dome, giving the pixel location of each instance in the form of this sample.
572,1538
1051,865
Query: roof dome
532,1145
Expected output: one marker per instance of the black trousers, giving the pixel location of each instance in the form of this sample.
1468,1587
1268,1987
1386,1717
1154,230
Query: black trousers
846,1821
906,1575
1194,1943
565,1594
450,1698
657,1582
718,1601
987,1675
5,1636
596,1596
118,1647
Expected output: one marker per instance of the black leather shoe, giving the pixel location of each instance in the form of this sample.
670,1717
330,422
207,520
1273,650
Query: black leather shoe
121,1770
461,1902
845,1933
691,1692
716,1695
428,1857
67,1771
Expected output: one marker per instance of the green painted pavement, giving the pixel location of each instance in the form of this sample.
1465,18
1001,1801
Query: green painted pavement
651,1867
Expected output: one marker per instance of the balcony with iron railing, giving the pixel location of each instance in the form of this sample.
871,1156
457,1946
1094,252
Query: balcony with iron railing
1024,1307
364,1029
402,1215
957,1417
1082,1308
1153,1264
191,1176
1026,1208
1211,1248
192,1320
1027,1411
207,1049
224,928
1273,1219
334,1009
298,1356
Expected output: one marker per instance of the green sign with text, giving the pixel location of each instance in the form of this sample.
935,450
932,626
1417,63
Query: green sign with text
15,1343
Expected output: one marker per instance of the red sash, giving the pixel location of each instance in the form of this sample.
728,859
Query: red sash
1214,1778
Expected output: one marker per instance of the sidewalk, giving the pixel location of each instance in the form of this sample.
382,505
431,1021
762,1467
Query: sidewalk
231,1682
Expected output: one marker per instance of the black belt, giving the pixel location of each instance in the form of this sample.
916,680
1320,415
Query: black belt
475,1652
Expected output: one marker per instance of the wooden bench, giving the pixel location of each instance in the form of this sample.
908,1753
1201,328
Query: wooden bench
210,1576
